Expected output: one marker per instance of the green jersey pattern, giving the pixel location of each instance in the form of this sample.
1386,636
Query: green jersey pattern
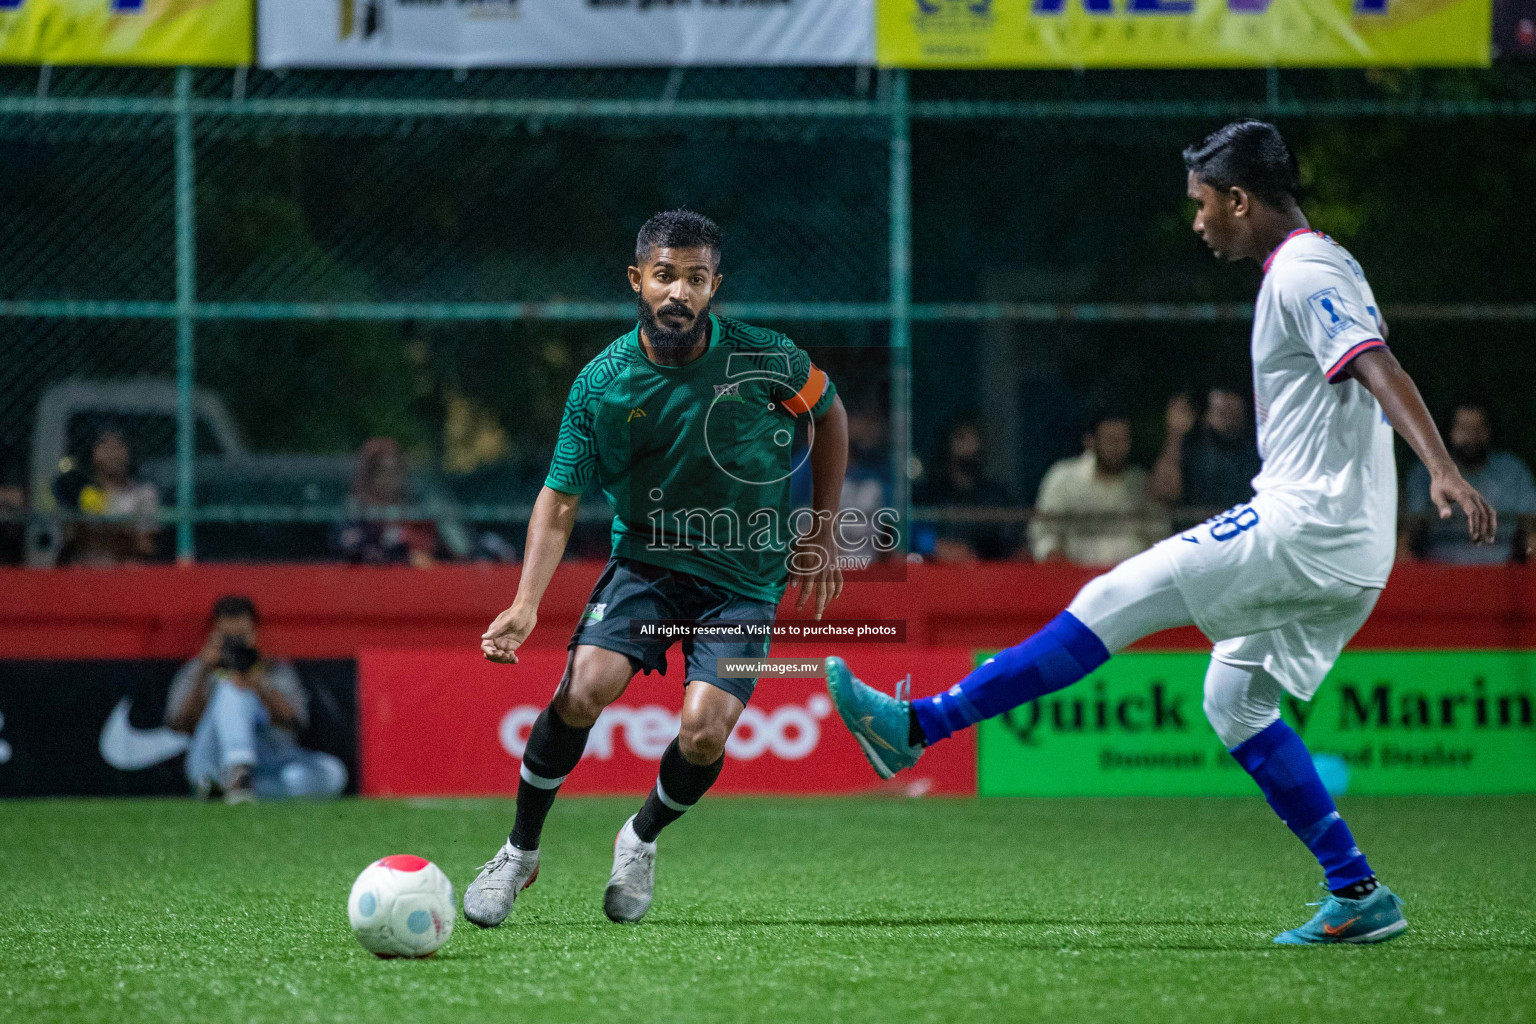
695,459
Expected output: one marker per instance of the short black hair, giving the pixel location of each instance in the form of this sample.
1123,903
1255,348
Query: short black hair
1482,405
232,606
1251,155
677,229
1102,414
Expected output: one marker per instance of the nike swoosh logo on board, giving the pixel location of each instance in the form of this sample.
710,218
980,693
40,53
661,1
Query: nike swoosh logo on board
128,749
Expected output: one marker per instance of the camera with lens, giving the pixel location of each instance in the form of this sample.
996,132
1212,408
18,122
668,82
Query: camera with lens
237,656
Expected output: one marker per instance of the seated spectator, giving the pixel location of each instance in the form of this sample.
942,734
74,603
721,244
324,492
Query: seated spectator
1208,464
1095,509
867,483
244,712
1501,478
960,483
108,489
369,535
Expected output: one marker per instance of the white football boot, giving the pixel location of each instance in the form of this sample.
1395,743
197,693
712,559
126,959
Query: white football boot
628,896
488,899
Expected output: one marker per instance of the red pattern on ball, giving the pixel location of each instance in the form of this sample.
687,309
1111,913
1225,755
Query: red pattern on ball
403,862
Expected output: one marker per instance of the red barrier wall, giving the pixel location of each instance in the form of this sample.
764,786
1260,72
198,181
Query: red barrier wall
439,723
336,611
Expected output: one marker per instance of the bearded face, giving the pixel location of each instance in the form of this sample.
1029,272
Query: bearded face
672,328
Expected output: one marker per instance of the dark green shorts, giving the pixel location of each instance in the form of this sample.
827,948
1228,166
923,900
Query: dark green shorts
629,590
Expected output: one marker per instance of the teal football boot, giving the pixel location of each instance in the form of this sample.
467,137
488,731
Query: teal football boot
1376,918
880,723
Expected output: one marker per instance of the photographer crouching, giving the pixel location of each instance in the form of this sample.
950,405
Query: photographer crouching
244,713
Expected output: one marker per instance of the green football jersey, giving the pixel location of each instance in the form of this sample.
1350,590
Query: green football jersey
696,459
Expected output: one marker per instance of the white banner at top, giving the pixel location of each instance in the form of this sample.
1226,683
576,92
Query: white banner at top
563,33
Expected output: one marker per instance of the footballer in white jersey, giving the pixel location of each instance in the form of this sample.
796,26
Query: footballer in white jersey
1279,584
1325,443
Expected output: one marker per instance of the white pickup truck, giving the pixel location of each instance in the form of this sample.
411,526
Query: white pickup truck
280,505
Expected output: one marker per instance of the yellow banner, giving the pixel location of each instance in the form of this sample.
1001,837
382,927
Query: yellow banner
206,32
1182,33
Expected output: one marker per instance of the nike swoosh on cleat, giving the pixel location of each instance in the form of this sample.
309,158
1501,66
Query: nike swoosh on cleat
1334,932
1380,934
128,749
881,768
866,725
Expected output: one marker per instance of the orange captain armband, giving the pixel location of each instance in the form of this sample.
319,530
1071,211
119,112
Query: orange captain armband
807,397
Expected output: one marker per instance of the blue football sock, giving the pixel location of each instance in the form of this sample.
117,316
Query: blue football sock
1057,656
1280,764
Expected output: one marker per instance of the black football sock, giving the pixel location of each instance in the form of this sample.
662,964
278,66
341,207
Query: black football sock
552,752
1358,891
679,785
915,735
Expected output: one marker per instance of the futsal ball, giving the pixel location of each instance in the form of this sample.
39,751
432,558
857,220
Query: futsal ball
401,906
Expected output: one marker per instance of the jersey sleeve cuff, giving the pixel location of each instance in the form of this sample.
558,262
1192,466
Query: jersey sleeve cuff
555,483
821,408
1338,368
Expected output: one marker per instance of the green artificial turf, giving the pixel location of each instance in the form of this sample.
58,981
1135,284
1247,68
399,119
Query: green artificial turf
767,910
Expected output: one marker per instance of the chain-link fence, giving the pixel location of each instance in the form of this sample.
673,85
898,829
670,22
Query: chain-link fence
246,275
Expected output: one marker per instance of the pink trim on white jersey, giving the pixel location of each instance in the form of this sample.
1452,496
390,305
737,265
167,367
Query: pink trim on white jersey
1349,357
1299,231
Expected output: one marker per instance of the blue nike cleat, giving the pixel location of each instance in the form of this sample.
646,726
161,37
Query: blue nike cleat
1376,918
880,723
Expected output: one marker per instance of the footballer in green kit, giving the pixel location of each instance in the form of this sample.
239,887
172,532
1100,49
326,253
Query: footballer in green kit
688,423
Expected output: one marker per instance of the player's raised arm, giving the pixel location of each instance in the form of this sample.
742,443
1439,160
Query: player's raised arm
549,529
829,464
1383,376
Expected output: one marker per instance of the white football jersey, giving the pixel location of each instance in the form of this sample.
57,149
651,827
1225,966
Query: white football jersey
1329,473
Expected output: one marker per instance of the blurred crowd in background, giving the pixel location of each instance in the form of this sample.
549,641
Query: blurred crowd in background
1099,508
1096,507
1075,387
